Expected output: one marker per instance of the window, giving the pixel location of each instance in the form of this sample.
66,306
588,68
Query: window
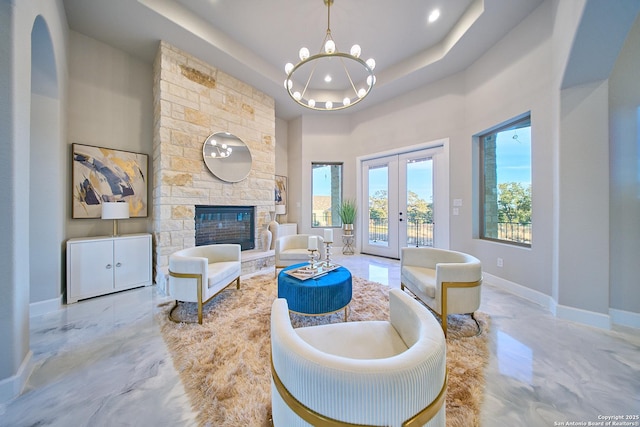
326,194
505,183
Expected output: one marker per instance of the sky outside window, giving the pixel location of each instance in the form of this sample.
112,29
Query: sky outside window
513,154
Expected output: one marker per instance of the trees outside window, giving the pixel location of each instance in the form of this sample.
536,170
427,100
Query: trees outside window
505,193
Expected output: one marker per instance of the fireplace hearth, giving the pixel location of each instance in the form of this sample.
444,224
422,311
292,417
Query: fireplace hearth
225,224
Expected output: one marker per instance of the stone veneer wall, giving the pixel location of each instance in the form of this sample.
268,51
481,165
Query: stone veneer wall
192,100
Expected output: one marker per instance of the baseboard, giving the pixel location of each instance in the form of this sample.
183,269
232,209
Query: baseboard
522,291
625,318
578,315
585,317
43,307
11,387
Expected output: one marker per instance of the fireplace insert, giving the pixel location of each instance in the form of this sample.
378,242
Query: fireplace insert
225,224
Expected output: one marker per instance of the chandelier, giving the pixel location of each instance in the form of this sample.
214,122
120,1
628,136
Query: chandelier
312,93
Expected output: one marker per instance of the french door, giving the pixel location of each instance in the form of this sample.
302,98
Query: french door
398,196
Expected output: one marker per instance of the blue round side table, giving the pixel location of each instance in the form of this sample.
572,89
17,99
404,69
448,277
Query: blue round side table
318,296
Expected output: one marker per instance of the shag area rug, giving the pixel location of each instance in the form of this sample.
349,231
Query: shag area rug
224,363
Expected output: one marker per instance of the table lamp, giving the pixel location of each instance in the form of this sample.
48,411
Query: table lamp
280,210
115,211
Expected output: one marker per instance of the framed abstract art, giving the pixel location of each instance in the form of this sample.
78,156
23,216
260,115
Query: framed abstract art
108,175
281,190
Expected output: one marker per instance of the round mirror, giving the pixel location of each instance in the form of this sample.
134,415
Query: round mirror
227,157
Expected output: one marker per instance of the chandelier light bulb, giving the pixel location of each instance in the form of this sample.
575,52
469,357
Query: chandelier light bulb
346,101
288,68
312,103
213,155
304,54
297,96
328,105
229,150
371,63
213,142
355,51
362,92
224,146
371,81
330,46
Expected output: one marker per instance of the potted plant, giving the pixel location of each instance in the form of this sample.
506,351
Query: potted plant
347,211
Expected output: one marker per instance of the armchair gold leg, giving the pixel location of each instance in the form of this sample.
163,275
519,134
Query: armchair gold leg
443,299
443,316
199,301
445,293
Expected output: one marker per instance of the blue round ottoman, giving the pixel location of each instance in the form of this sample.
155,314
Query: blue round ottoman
323,295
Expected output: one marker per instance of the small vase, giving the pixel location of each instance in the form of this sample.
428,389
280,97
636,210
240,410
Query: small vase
265,239
348,229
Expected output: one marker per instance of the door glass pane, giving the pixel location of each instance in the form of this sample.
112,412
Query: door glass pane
327,194
419,202
379,205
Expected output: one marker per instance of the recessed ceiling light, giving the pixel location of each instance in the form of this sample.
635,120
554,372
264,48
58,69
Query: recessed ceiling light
434,15
327,78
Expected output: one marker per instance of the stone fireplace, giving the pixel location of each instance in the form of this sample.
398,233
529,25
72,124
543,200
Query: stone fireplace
192,100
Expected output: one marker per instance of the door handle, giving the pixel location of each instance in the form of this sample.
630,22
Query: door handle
108,267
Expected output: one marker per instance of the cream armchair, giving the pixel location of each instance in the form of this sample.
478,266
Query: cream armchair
446,281
293,250
197,274
390,373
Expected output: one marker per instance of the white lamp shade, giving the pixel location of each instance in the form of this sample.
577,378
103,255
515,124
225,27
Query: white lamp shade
115,210
281,209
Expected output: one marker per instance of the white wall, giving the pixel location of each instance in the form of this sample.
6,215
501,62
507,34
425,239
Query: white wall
45,188
110,105
294,160
324,139
16,24
583,251
282,159
624,158
515,77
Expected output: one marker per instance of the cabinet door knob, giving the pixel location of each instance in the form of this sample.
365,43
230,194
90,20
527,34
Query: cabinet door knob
119,265
108,266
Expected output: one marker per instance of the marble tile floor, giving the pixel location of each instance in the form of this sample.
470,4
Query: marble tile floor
102,362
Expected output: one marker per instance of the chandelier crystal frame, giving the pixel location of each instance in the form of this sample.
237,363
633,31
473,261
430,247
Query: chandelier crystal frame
329,50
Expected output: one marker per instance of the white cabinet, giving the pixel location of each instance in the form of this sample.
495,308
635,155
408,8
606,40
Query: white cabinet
101,265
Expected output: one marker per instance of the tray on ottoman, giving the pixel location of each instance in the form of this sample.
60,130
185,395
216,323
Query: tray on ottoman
307,272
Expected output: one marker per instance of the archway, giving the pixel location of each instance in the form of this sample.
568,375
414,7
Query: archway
46,176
